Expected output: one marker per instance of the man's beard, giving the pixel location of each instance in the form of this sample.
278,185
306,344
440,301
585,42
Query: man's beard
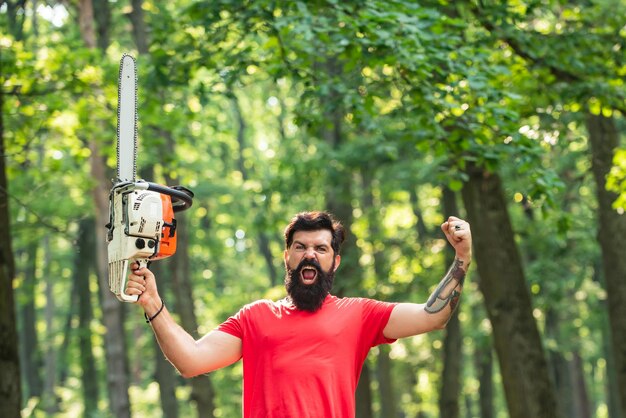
309,297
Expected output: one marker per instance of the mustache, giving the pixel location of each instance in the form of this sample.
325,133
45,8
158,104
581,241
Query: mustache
308,262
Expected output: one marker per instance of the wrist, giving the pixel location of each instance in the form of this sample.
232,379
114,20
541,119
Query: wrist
465,260
152,305
157,312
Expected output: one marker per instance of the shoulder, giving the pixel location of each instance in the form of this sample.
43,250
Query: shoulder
262,306
261,303
361,303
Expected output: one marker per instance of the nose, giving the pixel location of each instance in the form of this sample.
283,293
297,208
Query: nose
309,253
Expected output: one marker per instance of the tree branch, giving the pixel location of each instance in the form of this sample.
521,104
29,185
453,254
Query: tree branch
40,220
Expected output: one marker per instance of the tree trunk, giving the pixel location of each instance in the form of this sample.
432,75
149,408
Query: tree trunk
266,252
140,34
167,378
484,365
49,398
450,392
16,14
381,269
86,23
164,373
30,350
469,406
420,226
567,374
65,343
83,265
262,240
112,309
339,202
604,138
10,383
102,14
610,384
364,394
559,369
579,386
202,392
388,407
68,333
527,385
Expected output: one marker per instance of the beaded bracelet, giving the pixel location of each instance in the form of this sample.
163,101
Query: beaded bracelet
148,320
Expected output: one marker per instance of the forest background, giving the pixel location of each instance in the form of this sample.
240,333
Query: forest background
392,115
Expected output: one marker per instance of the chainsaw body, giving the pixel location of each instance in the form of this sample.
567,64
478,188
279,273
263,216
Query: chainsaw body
141,228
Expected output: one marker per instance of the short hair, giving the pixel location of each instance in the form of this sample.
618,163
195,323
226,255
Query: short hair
314,221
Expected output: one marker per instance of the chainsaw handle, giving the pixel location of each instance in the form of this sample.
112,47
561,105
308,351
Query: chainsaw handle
143,262
182,197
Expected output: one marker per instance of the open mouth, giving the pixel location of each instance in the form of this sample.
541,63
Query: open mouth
308,275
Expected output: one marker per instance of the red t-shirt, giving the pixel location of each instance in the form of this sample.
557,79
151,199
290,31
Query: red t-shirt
302,364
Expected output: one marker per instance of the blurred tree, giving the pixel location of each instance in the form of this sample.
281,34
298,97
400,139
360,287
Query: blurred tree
164,372
30,350
527,384
112,310
84,263
10,383
450,392
604,140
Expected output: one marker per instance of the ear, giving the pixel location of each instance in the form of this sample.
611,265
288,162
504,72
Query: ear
286,256
337,262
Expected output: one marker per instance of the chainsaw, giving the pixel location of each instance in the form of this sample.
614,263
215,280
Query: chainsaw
141,224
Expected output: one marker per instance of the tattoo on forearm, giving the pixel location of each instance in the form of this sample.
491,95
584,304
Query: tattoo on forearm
449,289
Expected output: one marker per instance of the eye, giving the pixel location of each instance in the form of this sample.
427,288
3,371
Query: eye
321,249
298,247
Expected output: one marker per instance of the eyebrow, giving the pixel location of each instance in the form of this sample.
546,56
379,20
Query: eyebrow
315,245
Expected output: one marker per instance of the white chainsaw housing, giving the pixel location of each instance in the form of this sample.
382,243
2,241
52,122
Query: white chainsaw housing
136,225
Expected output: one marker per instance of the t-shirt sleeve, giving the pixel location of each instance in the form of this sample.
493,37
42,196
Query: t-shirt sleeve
232,325
375,318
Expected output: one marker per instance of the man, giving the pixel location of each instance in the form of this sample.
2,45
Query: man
302,356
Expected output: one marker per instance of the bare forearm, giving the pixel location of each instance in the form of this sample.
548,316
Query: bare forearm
193,357
177,345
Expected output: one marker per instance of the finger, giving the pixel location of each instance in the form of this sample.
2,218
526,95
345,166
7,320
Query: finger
137,284
136,280
450,227
457,225
133,290
458,230
140,272
454,220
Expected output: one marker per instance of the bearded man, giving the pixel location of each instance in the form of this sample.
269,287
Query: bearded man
302,355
